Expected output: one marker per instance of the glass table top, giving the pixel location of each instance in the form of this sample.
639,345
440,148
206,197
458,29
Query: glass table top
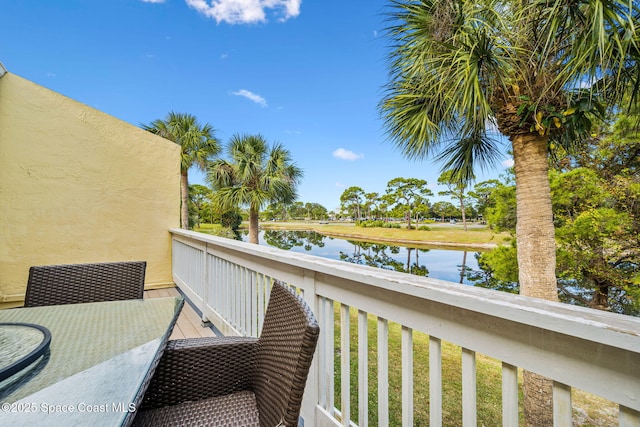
97,361
20,345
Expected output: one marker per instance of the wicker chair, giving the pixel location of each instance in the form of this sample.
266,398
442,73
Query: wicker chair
237,381
79,283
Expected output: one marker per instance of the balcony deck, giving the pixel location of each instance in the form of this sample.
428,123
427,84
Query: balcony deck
189,324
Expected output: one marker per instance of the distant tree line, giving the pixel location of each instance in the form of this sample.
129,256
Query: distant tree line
407,199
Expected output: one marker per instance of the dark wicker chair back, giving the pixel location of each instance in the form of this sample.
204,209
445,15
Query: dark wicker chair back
81,283
281,370
237,381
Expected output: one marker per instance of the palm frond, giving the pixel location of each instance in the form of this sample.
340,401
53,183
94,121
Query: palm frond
255,174
197,142
446,62
464,153
221,174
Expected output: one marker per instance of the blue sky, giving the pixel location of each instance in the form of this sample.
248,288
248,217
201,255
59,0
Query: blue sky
307,74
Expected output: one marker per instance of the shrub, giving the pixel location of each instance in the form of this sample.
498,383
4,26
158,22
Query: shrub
370,224
377,223
231,219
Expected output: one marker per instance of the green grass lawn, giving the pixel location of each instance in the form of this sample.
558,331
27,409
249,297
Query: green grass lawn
437,234
488,378
207,227
215,230
589,410
449,235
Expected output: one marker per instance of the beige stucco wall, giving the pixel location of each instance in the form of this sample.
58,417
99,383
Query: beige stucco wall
78,185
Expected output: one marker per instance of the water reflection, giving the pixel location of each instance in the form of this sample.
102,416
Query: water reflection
385,256
290,239
450,265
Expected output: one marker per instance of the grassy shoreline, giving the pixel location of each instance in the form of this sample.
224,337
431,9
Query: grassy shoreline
438,235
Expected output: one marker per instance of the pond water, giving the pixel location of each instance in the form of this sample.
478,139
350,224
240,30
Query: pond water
451,265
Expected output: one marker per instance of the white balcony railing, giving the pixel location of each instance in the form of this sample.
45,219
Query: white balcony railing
579,349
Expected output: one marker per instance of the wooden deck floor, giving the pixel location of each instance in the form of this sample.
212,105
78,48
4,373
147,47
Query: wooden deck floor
189,324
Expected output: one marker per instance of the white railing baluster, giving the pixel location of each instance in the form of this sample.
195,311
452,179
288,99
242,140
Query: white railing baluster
509,395
213,283
245,301
435,382
228,286
253,307
206,289
329,355
562,411
363,369
469,403
248,315
224,280
224,285
407,377
235,285
345,364
261,303
211,279
321,355
240,294
231,289
254,304
383,372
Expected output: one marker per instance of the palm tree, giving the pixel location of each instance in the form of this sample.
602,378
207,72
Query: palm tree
537,71
254,176
198,144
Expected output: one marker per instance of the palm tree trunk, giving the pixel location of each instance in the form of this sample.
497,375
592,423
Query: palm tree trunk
184,192
536,248
253,225
534,229
464,215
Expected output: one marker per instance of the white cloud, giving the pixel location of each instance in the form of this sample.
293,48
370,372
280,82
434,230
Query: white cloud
251,96
508,163
245,11
224,56
375,33
50,74
340,185
153,1
344,154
